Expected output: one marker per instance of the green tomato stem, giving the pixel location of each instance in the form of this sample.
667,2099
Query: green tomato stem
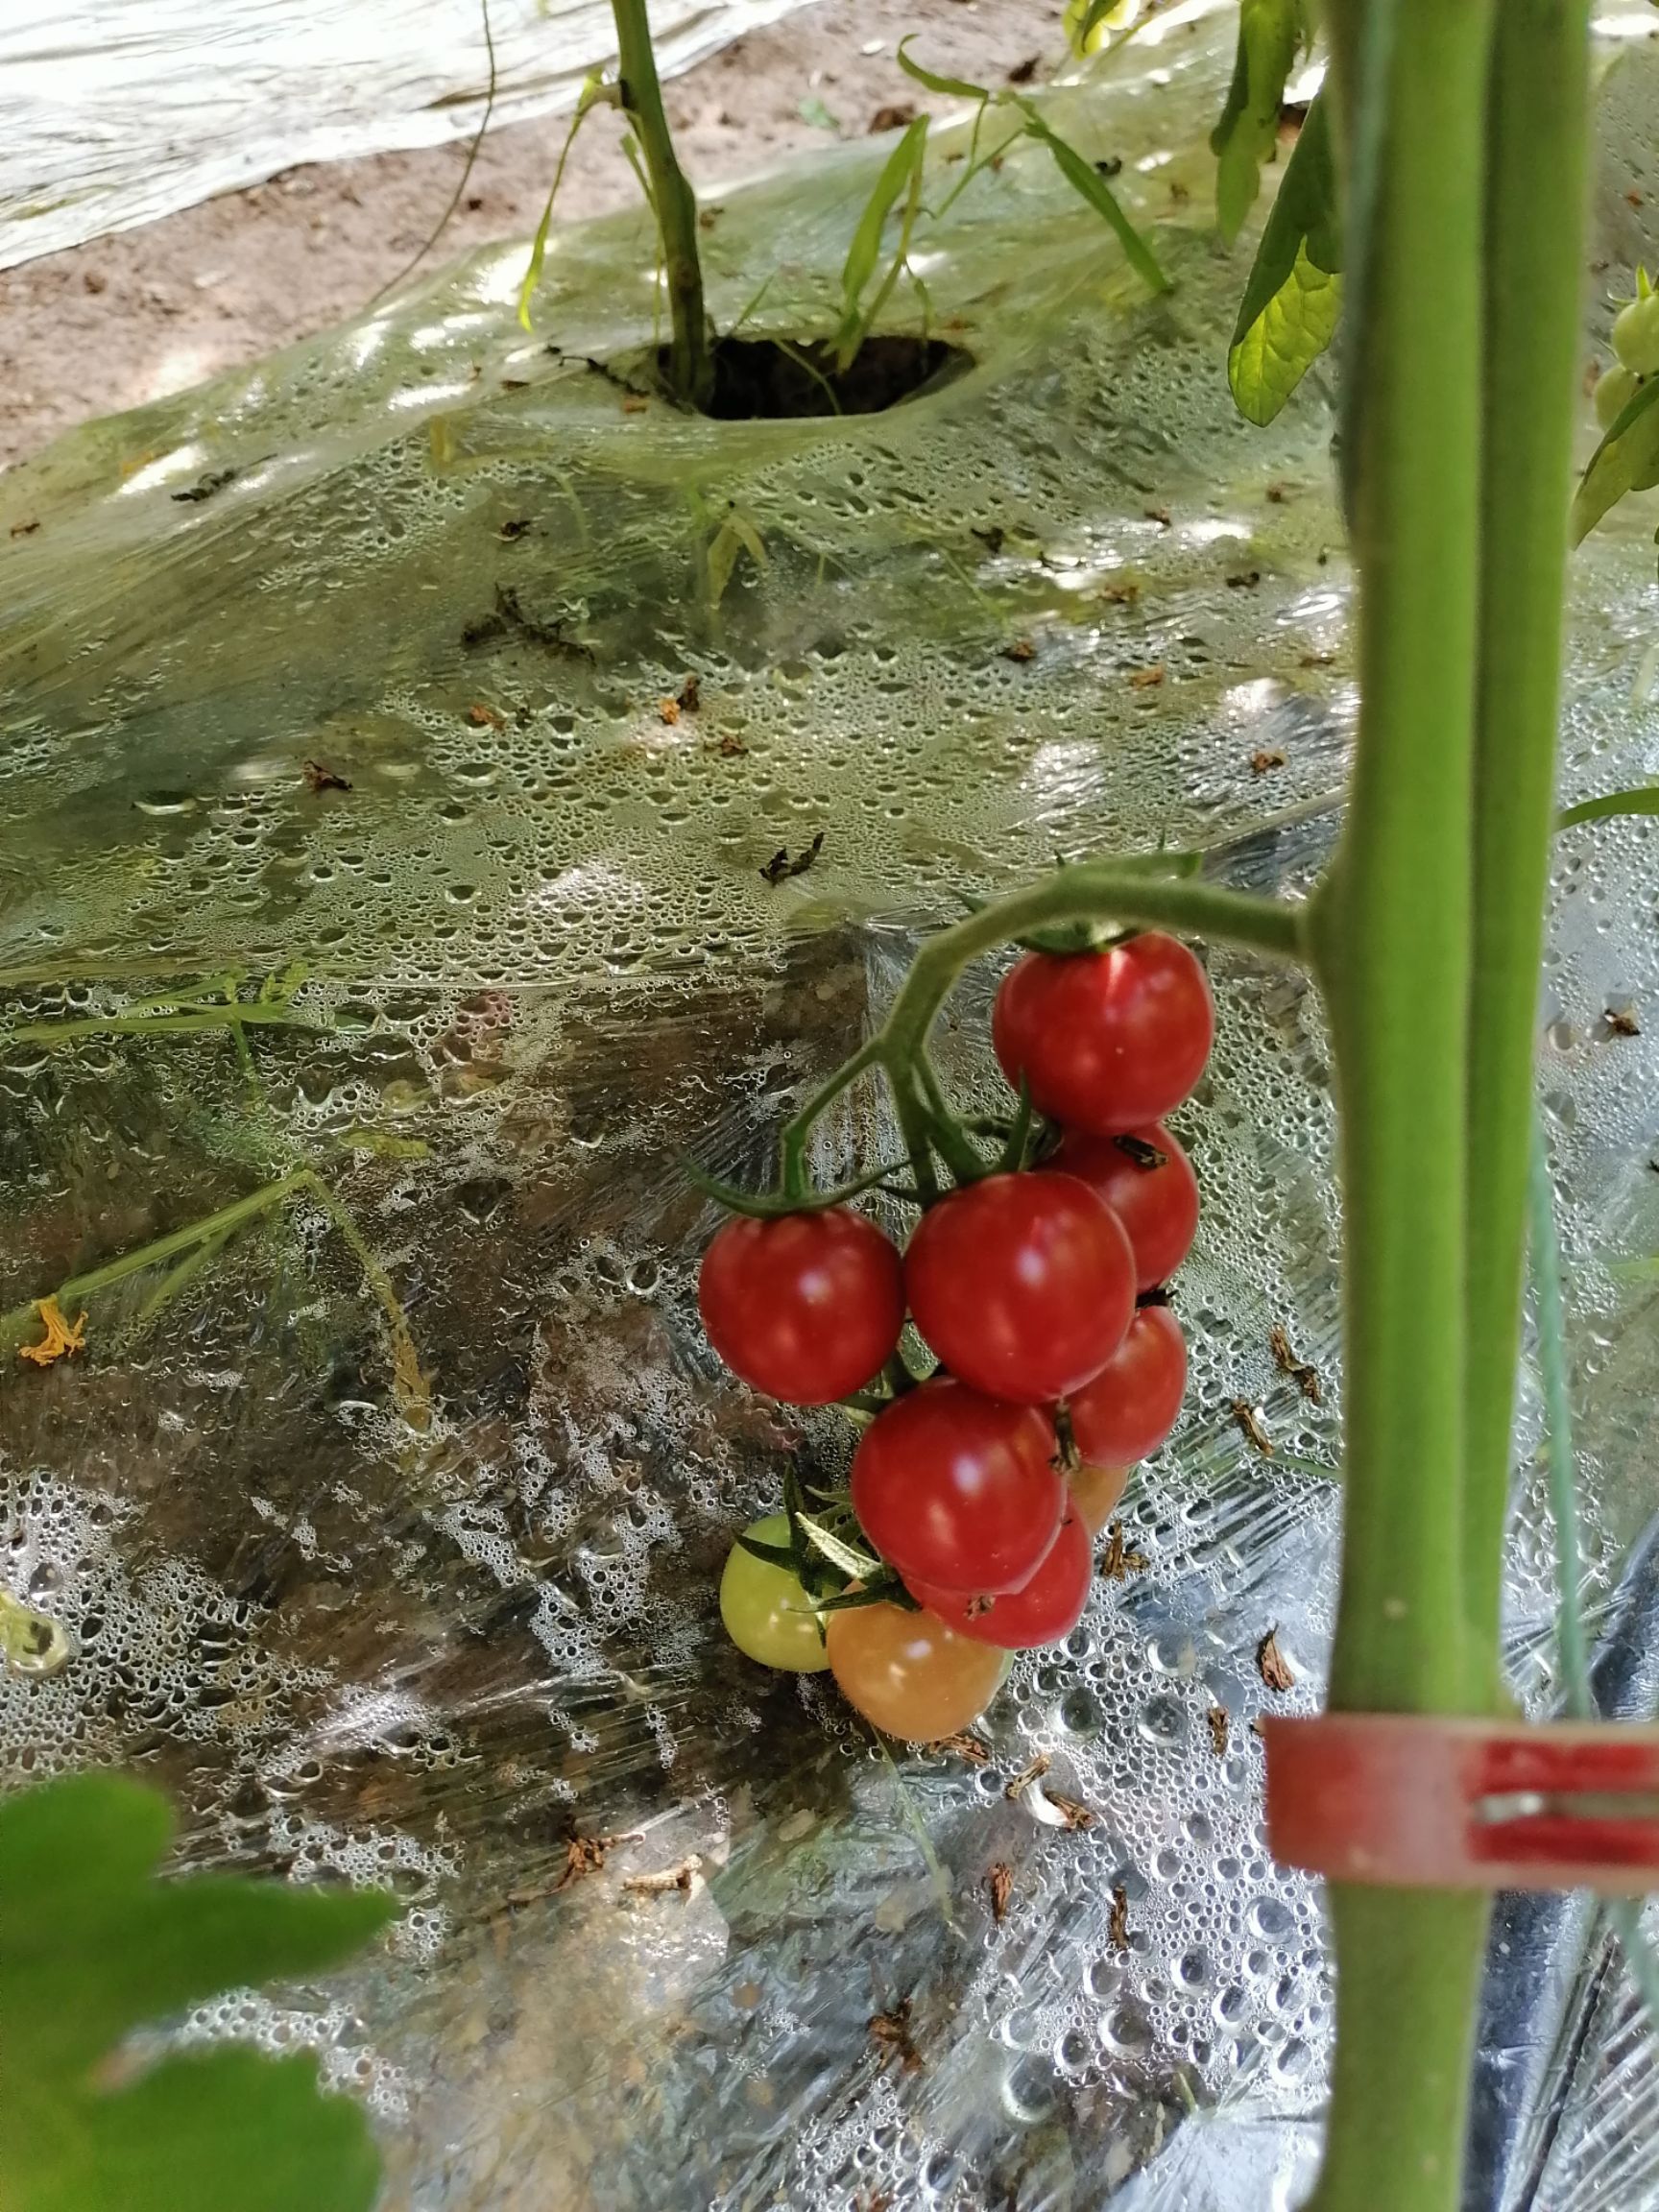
1539,111
691,367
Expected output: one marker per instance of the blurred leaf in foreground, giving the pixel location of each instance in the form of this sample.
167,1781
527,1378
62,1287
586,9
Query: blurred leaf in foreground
92,1947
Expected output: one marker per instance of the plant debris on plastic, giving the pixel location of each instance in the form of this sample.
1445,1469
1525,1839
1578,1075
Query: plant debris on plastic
376,946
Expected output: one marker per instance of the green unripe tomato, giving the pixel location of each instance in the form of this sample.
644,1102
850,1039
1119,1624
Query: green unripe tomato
1636,335
1615,389
767,1614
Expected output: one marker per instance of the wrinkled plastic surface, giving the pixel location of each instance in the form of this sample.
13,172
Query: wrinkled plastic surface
115,111
426,1632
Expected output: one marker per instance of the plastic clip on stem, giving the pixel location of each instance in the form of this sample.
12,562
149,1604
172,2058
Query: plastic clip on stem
1423,1801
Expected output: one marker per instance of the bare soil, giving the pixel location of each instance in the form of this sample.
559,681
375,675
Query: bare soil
131,317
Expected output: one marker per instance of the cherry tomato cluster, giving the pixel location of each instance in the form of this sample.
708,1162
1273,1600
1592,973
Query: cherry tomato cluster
975,1493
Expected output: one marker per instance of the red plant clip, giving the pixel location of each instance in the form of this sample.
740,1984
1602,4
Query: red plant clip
1420,1801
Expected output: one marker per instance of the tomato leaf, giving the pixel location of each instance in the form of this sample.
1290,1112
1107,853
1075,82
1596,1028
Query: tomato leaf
887,1590
736,535
91,1947
593,92
1640,799
1626,460
1271,32
1290,305
1087,180
947,87
865,252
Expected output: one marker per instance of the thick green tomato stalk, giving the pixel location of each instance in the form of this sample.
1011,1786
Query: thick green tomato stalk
673,202
1535,193
1427,942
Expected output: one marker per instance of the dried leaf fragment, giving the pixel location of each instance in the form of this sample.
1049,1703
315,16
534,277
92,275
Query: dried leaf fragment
1157,514
1118,1924
1147,678
681,1878
1249,1420
1220,1726
1121,1559
1073,1814
1022,649
890,2032
320,776
780,868
1272,1665
1033,1771
1621,1022
1002,1881
585,1854
964,1747
1267,757
731,748
62,1339
691,696
1302,1371
484,716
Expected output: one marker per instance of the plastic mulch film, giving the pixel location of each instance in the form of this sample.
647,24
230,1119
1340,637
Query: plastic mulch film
384,1529
115,111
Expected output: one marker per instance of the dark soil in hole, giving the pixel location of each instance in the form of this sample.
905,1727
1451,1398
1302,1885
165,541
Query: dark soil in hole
760,380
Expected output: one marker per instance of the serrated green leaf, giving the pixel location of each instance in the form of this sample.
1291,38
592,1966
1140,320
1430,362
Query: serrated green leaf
91,1947
1294,297
1626,460
736,535
1271,35
947,87
1087,180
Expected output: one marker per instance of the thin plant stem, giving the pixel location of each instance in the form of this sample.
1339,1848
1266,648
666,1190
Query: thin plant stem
691,365
444,220
1624,1914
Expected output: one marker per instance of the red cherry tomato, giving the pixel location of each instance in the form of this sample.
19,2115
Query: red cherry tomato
957,1489
1106,1040
1157,1204
806,1307
908,1673
1131,1404
1024,1285
1047,1608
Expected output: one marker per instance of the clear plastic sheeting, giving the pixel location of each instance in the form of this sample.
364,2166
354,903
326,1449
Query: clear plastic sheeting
385,1533
115,111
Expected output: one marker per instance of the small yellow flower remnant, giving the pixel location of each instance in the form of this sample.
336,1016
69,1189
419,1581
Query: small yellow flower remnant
1267,757
1272,1665
669,710
62,1337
